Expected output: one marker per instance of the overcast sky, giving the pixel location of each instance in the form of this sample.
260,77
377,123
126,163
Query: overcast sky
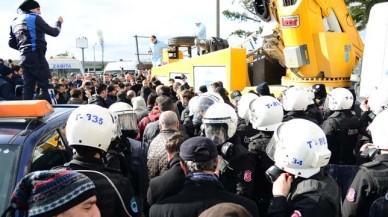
120,20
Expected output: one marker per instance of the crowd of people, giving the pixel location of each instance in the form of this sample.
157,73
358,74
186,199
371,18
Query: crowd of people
144,148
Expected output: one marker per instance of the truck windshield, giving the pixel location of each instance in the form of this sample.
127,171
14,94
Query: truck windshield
64,72
8,162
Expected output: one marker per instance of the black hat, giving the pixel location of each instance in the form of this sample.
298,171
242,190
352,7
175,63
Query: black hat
5,70
28,5
198,149
263,89
203,88
236,95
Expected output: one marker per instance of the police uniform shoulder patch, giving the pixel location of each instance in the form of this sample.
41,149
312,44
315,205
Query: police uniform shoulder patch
351,196
296,214
248,176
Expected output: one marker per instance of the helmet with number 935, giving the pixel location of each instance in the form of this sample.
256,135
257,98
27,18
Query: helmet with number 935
93,126
299,147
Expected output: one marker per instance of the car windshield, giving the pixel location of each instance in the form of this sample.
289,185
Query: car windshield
8,158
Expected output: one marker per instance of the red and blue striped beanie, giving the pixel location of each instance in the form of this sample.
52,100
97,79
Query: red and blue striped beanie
51,192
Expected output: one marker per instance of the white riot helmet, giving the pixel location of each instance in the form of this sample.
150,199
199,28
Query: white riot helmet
378,99
339,99
202,103
299,147
220,122
378,129
265,113
191,105
295,99
127,118
243,105
93,126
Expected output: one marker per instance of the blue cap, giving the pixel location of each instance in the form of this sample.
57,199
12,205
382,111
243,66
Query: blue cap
198,149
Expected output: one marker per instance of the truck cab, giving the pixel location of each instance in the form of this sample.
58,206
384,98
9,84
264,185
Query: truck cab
63,66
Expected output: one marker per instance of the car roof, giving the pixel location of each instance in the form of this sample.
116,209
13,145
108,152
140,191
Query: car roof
11,129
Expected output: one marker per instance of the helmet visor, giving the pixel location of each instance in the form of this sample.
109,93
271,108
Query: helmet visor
127,120
216,132
273,144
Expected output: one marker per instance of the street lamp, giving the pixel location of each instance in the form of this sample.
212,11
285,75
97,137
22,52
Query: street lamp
82,43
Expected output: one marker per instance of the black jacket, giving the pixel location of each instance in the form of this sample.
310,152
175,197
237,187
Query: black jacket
196,197
342,129
110,100
107,200
28,33
370,182
318,196
98,100
299,114
168,184
7,90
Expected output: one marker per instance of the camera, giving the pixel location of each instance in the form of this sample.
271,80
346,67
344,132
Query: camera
273,173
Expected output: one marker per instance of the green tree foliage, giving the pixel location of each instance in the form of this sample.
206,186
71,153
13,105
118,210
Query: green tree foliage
248,15
360,9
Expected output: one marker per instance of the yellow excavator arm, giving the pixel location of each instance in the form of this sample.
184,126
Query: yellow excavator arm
316,40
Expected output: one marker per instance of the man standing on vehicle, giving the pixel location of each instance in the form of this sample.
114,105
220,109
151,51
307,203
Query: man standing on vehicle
156,51
200,36
28,36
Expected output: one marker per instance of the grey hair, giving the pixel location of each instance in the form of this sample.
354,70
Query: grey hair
168,120
193,167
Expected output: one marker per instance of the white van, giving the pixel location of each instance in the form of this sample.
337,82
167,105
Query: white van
375,58
63,66
120,67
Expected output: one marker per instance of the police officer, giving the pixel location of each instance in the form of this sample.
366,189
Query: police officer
371,180
295,101
342,127
90,130
371,106
265,114
199,108
244,128
236,166
126,153
299,149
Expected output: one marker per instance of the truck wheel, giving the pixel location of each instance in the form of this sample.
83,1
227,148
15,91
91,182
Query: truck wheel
182,41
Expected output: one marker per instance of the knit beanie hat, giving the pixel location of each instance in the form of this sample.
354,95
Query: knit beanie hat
51,192
263,89
28,5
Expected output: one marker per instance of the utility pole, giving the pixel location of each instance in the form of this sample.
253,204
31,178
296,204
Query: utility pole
218,18
137,46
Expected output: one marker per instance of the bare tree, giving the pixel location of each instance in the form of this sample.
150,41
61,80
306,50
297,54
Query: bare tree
101,39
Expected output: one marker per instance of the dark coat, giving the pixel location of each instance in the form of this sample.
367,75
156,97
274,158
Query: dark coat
98,100
107,200
196,197
168,184
7,90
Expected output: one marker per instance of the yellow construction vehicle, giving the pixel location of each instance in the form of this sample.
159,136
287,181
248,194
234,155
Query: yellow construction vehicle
308,42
